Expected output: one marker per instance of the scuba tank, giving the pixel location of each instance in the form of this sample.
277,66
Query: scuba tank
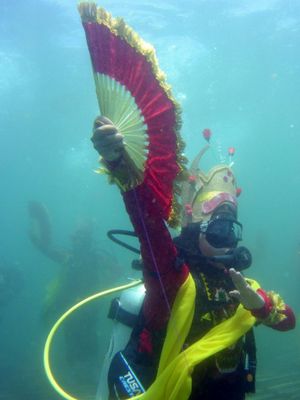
124,312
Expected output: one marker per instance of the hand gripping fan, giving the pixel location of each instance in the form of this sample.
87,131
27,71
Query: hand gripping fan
133,94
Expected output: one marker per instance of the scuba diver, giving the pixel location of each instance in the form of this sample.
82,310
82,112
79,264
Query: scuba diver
193,337
84,270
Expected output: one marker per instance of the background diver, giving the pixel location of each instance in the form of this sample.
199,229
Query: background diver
84,270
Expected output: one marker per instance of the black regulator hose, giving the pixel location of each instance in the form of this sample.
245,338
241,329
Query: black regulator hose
239,258
111,234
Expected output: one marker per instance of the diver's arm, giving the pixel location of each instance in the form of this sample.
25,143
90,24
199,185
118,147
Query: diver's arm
40,232
267,307
55,255
162,275
163,272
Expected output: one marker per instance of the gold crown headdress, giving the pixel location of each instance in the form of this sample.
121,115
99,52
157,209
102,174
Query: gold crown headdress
203,193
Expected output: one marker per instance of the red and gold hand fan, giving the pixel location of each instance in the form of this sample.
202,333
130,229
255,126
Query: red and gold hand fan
133,94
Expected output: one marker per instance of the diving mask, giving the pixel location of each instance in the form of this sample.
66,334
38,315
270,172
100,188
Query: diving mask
223,230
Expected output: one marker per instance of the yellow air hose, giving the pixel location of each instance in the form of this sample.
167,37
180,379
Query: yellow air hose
59,322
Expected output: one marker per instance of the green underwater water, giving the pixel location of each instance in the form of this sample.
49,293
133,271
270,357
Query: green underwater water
235,68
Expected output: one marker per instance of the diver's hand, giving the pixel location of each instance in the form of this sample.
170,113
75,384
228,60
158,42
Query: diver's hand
244,292
107,140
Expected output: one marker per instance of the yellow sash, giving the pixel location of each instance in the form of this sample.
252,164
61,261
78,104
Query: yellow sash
173,381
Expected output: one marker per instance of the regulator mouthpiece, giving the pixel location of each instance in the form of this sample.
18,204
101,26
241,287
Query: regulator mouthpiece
239,258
